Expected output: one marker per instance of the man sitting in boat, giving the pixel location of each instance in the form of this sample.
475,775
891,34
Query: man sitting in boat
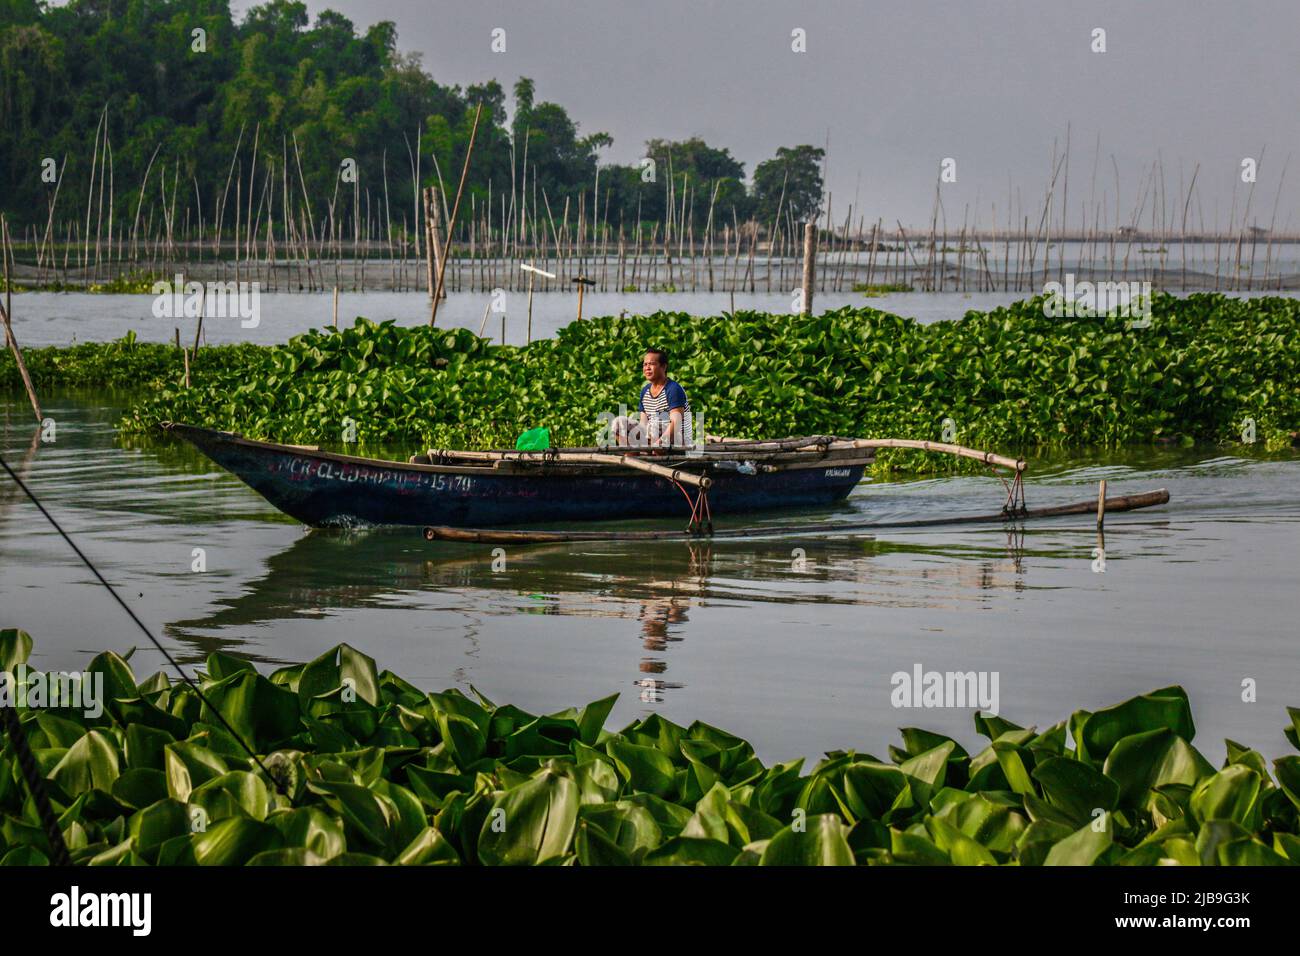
665,417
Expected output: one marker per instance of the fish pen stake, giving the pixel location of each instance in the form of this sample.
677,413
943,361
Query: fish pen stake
582,282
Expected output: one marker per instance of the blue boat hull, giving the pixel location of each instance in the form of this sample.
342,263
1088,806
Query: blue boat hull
322,489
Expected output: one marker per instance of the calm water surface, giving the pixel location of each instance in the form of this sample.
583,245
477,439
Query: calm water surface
792,649
59,318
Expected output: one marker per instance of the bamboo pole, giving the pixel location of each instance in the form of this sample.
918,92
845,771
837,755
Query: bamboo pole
1101,503
451,224
433,235
831,442
198,329
628,461
1150,499
10,338
809,264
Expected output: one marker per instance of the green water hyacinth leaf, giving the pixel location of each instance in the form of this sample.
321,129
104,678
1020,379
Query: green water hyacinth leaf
445,779
1142,761
188,766
820,840
261,713
220,666
233,842
530,824
119,681
630,826
594,848
646,769
1085,847
429,848
1167,708
874,790
709,821
914,849
287,856
24,856
343,667
92,763
691,851
138,788
312,829
591,720
158,823
1293,730
364,815
51,730
1076,788
1288,777
961,849
15,648
598,782
1231,794
930,766
247,791
462,738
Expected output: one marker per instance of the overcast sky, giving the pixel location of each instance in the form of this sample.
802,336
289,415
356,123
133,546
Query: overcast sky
900,86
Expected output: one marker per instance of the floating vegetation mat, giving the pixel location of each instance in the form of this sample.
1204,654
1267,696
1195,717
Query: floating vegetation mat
1205,368
357,766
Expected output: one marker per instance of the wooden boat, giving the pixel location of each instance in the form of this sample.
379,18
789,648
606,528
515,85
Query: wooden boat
508,488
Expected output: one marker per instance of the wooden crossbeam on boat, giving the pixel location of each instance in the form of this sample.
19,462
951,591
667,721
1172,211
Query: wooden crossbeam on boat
546,457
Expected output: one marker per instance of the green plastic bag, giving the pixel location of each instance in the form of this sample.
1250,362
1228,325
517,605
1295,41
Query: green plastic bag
535,439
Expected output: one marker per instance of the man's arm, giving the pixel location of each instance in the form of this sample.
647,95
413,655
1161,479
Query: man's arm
674,426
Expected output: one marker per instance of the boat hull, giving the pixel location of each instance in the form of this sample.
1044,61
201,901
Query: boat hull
323,489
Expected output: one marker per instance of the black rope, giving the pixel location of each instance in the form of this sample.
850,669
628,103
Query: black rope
36,784
274,778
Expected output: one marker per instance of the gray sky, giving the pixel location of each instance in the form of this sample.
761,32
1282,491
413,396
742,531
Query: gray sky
901,86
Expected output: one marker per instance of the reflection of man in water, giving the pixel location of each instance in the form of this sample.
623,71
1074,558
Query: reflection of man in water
657,617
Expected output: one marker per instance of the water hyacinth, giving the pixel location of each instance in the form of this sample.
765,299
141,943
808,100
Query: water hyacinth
1206,368
372,770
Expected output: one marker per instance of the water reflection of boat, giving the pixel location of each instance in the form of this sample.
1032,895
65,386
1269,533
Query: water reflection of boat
333,570
648,592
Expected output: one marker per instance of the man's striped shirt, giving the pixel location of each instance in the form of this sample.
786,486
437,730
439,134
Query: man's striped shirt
659,406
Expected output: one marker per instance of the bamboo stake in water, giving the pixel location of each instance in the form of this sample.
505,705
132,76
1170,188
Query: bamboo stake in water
582,282
451,224
809,264
9,332
1101,503
533,272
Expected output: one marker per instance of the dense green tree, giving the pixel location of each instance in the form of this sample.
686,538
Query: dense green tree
278,103
791,181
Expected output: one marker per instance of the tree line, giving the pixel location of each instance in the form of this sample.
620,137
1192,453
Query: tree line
151,101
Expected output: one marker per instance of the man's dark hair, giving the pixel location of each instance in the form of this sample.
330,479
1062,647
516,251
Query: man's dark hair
660,355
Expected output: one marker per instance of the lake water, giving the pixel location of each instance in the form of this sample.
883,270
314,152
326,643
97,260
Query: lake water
791,643
55,318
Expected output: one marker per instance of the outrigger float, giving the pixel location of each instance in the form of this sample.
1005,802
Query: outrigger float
478,496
